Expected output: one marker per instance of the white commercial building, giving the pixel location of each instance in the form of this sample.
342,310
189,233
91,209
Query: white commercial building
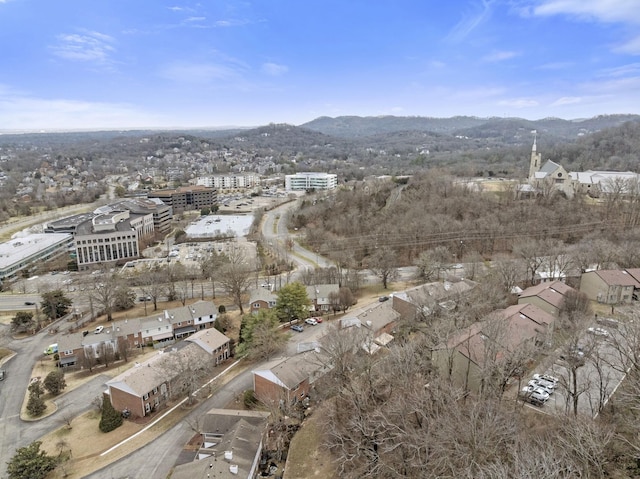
310,181
20,254
111,237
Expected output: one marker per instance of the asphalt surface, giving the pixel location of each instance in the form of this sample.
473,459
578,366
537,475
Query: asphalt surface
14,432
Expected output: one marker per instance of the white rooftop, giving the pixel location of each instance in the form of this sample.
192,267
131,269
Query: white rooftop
19,249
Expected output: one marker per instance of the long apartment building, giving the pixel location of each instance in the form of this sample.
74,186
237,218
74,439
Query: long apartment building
229,182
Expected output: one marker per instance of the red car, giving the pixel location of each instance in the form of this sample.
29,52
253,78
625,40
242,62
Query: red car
318,319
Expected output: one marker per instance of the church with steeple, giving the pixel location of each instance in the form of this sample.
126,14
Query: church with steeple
550,176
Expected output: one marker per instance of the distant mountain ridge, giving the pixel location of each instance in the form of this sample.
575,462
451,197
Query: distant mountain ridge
467,126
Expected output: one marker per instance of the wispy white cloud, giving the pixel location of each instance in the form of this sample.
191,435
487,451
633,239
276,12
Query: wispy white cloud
20,111
500,56
237,22
631,46
470,21
87,46
567,100
555,66
201,73
631,69
274,69
519,103
609,11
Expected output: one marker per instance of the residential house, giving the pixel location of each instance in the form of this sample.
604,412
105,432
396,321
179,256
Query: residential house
162,329
230,446
609,286
86,349
468,355
142,388
214,343
148,386
260,299
319,296
289,379
547,296
635,272
420,301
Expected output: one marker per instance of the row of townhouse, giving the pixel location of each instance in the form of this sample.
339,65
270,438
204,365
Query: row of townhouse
369,332
149,386
611,286
85,349
467,354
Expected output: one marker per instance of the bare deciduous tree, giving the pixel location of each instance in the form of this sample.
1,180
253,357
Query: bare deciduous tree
235,276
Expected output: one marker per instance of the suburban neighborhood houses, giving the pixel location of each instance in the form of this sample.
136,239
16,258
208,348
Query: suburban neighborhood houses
534,325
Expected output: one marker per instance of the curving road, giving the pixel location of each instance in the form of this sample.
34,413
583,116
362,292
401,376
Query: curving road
276,233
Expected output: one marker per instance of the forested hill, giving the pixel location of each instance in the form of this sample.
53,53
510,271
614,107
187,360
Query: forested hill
510,130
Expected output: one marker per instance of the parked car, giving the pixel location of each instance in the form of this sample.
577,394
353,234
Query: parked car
318,319
297,327
549,387
382,299
533,395
98,330
598,332
610,322
311,321
546,377
2,374
574,355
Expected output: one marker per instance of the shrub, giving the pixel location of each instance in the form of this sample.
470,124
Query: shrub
249,398
35,405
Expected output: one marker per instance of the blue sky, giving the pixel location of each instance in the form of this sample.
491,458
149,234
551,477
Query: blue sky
79,64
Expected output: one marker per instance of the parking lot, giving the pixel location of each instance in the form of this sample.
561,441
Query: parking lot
597,375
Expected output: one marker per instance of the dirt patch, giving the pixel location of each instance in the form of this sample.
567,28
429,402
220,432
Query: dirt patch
5,353
307,457
74,440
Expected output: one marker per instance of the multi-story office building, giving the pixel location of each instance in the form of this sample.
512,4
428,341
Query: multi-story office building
112,237
187,198
310,181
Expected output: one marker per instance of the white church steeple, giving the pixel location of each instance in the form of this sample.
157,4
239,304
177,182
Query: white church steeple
536,159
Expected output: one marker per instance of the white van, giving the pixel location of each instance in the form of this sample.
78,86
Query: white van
51,349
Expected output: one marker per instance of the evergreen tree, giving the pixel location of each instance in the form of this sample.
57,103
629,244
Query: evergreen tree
55,382
292,302
23,321
30,462
55,304
111,419
35,405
